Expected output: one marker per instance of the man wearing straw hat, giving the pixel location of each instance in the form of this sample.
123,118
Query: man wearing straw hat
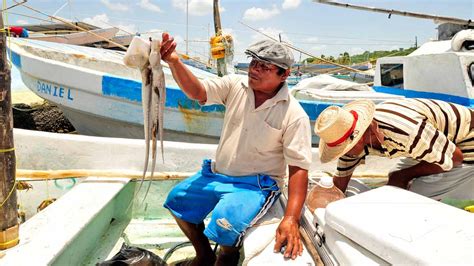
264,130
435,137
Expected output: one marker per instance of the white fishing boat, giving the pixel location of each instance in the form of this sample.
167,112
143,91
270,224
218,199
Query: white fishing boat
123,40
78,38
90,221
102,97
418,75
91,177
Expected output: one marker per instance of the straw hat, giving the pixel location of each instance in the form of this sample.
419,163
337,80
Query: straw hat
340,128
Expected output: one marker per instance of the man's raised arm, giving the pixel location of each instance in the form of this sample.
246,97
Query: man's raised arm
186,80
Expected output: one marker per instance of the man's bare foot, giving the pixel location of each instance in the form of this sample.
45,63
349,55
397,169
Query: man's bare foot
227,259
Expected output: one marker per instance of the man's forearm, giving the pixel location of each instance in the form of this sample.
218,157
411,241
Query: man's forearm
425,168
421,169
402,178
341,182
297,189
186,80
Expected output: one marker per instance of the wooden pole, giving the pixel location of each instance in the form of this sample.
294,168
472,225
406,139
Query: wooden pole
221,67
25,174
8,208
313,252
390,12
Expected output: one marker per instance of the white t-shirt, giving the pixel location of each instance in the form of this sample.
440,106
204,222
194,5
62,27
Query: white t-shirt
263,140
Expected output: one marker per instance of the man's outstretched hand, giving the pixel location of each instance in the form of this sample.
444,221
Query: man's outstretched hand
168,49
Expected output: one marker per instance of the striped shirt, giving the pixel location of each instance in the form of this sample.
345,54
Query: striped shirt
422,129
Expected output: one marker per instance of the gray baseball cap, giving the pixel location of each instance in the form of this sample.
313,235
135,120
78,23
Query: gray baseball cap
272,52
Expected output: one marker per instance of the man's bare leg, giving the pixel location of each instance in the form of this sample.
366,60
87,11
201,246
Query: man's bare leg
228,256
195,233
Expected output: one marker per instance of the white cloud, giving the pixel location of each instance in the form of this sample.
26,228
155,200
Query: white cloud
290,4
21,22
146,4
103,21
153,33
115,6
197,7
257,13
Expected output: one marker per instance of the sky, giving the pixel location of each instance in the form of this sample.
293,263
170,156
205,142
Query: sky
313,27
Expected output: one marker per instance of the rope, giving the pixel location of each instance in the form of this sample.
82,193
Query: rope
7,150
47,188
301,51
17,4
7,244
28,16
9,194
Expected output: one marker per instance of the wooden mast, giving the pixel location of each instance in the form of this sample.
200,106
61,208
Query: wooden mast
390,12
221,66
8,202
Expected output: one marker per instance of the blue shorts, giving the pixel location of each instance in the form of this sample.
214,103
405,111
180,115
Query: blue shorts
236,202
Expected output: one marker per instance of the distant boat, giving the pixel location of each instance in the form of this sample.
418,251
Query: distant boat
78,38
123,40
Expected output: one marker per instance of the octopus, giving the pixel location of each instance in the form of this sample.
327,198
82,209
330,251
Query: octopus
145,55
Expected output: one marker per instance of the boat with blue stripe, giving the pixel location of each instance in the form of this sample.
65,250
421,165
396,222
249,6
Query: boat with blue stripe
102,97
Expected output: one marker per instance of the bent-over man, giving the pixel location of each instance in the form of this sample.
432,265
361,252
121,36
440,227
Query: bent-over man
435,137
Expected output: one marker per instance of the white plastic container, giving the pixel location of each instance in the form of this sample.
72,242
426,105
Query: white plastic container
342,250
323,193
399,227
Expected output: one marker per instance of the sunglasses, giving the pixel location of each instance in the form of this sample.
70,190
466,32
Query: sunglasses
262,66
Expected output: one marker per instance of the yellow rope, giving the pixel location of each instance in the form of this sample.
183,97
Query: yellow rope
7,150
47,188
9,194
8,243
